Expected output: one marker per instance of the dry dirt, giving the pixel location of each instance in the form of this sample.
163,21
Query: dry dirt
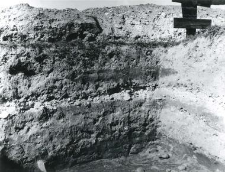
111,89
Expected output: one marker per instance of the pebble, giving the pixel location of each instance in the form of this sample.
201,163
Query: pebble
182,167
88,104
127,97
77,103
4,114
164,156
140,169
37,105
41,165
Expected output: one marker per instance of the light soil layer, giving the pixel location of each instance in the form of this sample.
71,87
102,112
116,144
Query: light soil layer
194,112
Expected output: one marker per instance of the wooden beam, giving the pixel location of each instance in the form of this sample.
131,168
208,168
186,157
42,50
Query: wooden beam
218,2
192,23
202,2
190,32
205,3
189,11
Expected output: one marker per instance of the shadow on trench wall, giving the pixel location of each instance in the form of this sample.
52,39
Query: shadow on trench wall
8,166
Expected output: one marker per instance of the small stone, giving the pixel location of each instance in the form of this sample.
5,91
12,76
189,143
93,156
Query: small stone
136,149
140,169
4,114
127,97
88,104
37,105
30,103
182,167
164,156
41,165
77,103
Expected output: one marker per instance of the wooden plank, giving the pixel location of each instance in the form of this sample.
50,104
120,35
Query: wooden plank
205,3
190,32
192,23
218,2
202,2
189,11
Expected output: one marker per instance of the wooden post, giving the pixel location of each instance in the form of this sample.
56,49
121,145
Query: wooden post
189,11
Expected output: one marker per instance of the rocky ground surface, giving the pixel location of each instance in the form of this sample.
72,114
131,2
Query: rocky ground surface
118,85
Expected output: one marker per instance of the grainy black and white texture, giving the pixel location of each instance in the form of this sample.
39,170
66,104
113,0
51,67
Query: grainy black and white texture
106,83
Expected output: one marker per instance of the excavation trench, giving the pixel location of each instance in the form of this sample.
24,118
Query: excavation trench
75,89
87,102
76,108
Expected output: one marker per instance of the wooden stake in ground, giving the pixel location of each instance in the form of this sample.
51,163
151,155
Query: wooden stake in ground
189,20
189,11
